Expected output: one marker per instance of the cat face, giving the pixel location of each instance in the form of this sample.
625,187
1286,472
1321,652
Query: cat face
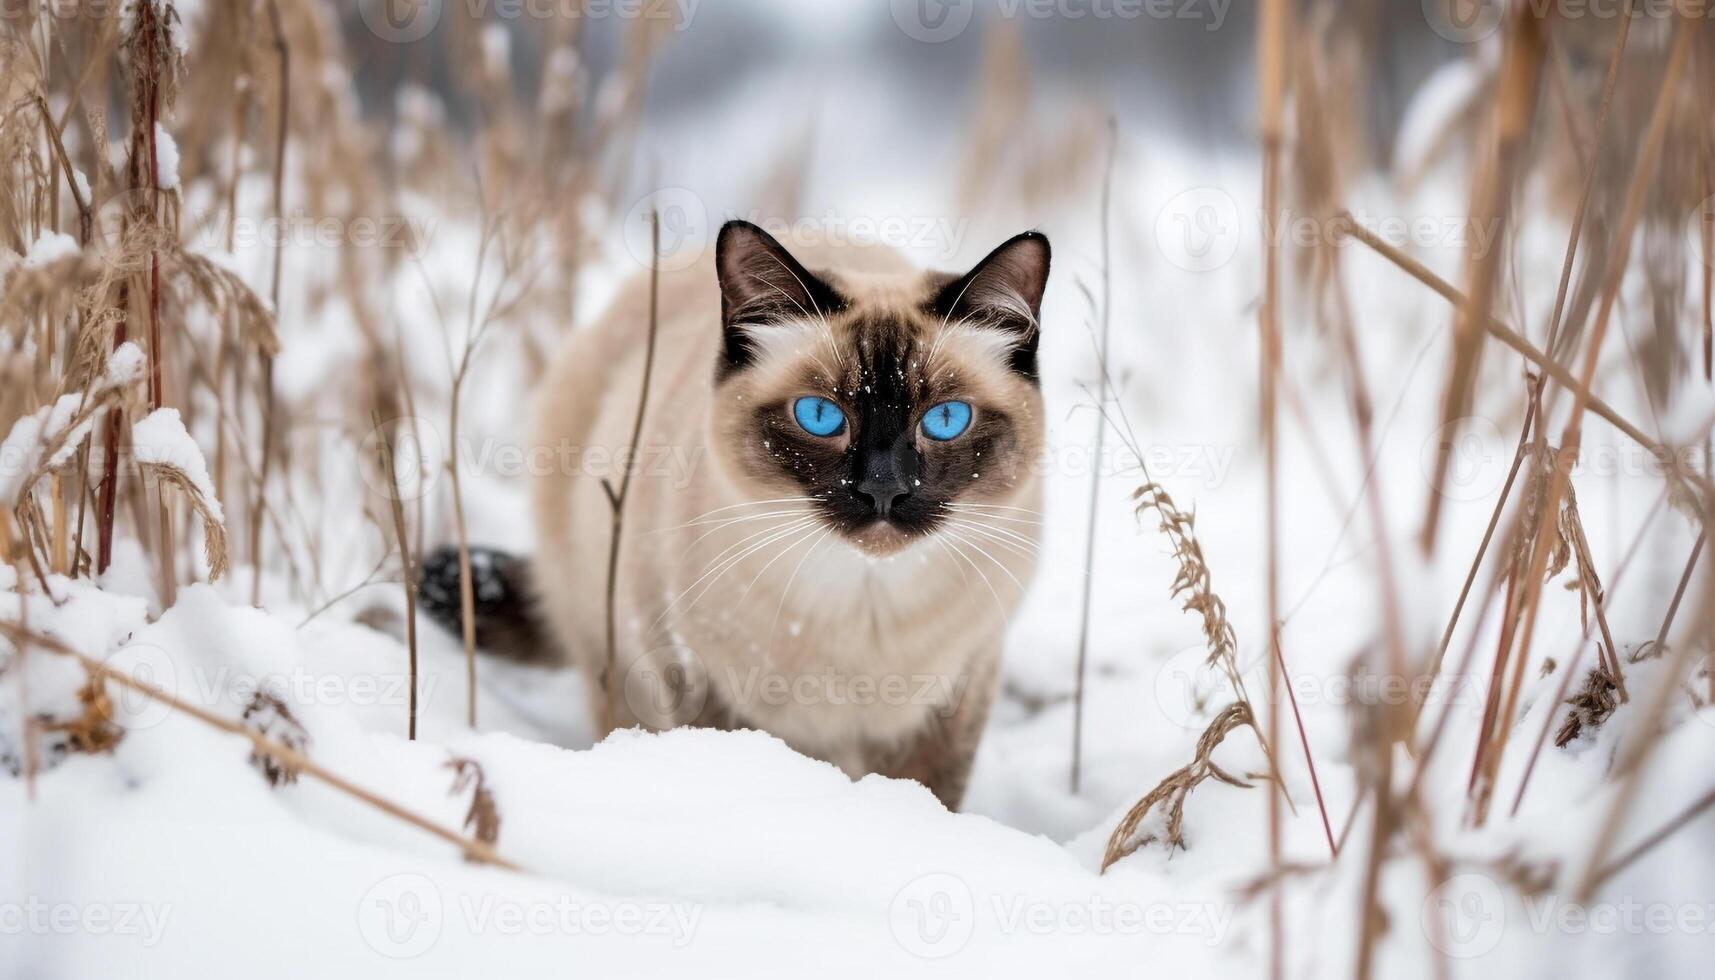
887,401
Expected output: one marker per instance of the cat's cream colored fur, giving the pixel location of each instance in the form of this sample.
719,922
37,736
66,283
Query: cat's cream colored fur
871,655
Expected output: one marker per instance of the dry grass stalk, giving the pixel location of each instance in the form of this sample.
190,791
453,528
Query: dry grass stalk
403,543
1170,794
616,495
483,818
1273,29
1681,478
265,356
1095,471
283,755
214,531
1525,45
1571,440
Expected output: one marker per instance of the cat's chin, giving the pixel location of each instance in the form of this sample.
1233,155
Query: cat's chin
882,539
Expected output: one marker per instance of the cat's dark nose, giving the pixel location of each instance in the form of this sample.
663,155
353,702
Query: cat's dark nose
888,477
883,494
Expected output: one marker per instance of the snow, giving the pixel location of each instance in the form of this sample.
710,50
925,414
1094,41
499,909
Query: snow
166,159
730,855
50,247
23,452
160,439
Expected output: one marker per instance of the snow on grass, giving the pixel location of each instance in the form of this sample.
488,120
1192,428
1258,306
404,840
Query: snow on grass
51,247
160,439
24,452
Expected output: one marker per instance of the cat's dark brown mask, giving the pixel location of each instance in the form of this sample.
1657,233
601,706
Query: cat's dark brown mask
885,397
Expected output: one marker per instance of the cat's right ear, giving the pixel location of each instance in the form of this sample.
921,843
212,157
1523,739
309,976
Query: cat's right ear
762,284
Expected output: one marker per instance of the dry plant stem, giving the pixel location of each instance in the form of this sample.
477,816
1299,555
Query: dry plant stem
1095,471
616,498
1571,670
1506,335
1521,68
1488,537
1655,838
283,51
1608,85
1272,29
467,580
85,218
1560,475
289,758
1632,764
398,508
1381,831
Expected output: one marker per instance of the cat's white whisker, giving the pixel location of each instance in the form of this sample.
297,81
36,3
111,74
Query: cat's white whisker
952,540
800,539
740,559
1023,546
747,503
979,549
722,525
975,506
787,591
987,516
714,575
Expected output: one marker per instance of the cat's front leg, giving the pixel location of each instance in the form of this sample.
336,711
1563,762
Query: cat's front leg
940,756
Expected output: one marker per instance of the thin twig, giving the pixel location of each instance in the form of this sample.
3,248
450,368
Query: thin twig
616,498
1096,470
407,570
290,759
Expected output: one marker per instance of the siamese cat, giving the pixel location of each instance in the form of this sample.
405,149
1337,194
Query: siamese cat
833,508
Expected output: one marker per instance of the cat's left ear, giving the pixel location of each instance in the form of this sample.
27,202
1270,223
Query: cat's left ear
761,285
1003,292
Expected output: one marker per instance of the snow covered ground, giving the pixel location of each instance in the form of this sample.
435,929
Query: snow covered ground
728,854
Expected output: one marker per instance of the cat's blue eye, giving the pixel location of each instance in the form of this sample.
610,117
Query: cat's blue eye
946,421
818,416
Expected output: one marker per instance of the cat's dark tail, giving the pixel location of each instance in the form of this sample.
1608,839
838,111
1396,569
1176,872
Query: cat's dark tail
507,624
